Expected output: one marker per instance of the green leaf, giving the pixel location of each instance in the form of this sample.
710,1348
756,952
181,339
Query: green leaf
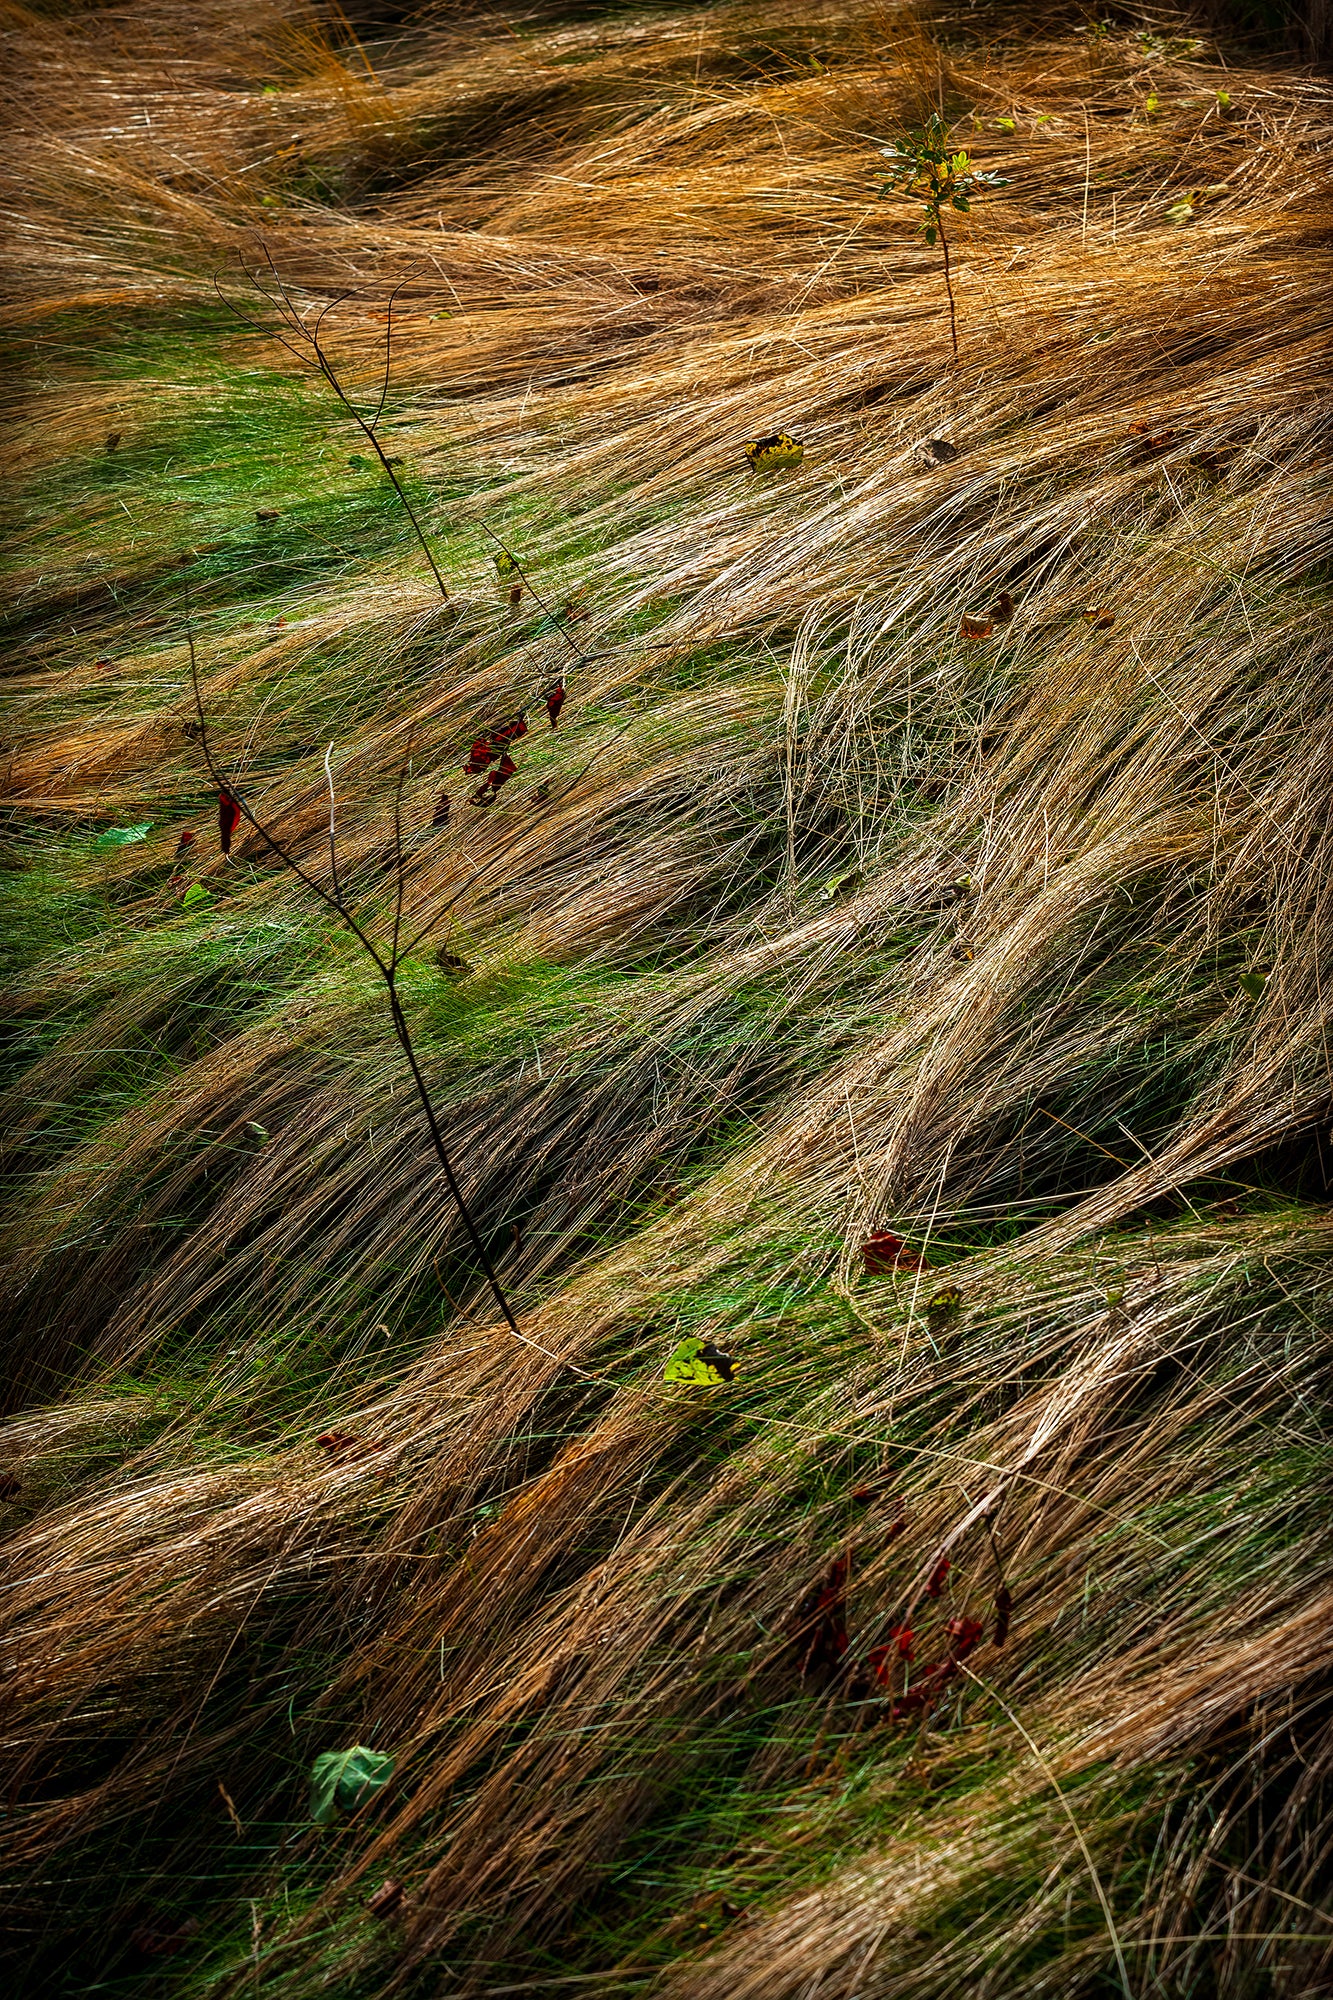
931,233
123,836
196,893
1253,984
1006,125
696,1360
961,201
342,1779
356,461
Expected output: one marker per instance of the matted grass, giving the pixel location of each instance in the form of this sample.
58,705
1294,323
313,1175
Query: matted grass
830,917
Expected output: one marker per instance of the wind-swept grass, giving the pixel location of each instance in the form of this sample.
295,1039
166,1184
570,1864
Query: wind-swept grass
816,914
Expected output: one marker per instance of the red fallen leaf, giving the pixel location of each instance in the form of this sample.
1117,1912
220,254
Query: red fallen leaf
901,1646
509,732
515,593
881,1251
976,628
885,1251
344,1444
1004,1606
483,752
161,1941
10,1487
440,816
963,1636
935,1581
387,1899
185,842
1215,463
864,1494
555,701
502,773
229,818
821,1620
1153,441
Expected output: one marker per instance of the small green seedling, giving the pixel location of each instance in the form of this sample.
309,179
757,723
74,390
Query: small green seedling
841,885
923,169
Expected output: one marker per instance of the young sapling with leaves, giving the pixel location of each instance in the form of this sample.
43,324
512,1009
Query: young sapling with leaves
923,169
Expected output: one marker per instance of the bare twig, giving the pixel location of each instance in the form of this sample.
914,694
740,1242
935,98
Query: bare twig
305,344
387,966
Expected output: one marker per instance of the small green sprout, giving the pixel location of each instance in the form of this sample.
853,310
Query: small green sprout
922,168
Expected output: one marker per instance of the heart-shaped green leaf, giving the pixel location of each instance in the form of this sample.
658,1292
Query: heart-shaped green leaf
343,1779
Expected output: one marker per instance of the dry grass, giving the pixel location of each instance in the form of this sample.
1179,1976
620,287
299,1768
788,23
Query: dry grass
693,1073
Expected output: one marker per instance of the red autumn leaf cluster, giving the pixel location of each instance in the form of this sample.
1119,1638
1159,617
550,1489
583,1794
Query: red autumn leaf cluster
936,1580
963,1635
485,792
493,745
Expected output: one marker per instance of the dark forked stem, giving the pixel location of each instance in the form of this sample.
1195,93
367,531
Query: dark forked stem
387,968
